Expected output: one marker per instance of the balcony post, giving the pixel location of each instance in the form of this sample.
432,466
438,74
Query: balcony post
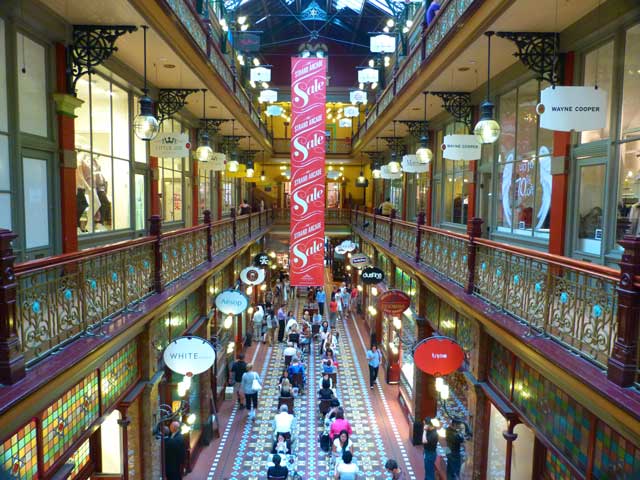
622,365
374,222
233,226
12,366
260,220
207,221
391,218
474,230
249,220
155,230
419,222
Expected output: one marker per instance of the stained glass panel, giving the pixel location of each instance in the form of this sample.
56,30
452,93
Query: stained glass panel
80,458
118,373
18,454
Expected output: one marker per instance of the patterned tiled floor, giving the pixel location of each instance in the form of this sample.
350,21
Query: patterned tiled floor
250,462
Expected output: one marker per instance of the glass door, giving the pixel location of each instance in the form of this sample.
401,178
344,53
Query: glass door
589,206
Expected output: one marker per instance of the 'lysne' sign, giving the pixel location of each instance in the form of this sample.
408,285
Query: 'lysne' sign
438,356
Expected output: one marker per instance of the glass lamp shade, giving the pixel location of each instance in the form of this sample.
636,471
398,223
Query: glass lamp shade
204,153
487,130
376,173
424,154
263,177
361,179
394,167
146,125
233,166
250,172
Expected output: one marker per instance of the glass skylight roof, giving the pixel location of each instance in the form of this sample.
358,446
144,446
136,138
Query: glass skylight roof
355,5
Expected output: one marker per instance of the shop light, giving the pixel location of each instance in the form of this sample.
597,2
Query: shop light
274,266
250,172
390,23
376,173
272,254
374,291
359,287
409,23
372,63
244,27
487,130
231,347
263,287
249,290
387,61
385,29
146,125
250,310
348,268
361,86
394,167
228,322
439,384
187,381
182,390
424,153
265,85
405,29
256,62
262,176
349,255
397,323
242,19
204,152
436,423
191,419
252,83
444,393
233,166
211,289
224,25
374,85
372,310
184,429
442,433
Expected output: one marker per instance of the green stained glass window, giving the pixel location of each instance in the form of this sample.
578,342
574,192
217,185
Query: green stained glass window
18,453
118,373
80,458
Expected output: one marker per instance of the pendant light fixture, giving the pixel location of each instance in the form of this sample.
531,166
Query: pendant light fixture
263,177
250,169
487,129
394,165
204,152
146,125
361,181
375,167
233,164
424,153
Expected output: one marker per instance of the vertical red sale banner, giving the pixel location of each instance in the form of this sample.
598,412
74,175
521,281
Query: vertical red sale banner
306,244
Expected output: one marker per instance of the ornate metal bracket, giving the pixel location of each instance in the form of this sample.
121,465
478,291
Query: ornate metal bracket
248,155
92,45
538,51
394,143
230,142
171,100
458,104
212,125
416,127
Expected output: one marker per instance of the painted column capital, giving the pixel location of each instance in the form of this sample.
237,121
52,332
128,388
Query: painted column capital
66,104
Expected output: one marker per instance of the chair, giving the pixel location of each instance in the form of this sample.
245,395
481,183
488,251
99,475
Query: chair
288,401
325,406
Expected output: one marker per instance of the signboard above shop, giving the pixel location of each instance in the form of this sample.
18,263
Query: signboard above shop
189,355
394,302
260,74
368,75
359,260
461,147
382,43
411,164
170,145
252,276
232,302
261,260
372,276
438,356
572,108
358,96
269,96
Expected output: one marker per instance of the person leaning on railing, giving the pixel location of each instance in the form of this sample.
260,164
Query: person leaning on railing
386,207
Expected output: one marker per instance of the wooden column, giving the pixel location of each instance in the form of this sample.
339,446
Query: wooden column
420,221
471,191
207,221
65,108
124,422
12,367
560,175
405,197
154,190
429,212
474,230
195,190
623,363
155,229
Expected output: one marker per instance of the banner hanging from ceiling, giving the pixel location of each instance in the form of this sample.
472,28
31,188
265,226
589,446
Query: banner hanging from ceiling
306,245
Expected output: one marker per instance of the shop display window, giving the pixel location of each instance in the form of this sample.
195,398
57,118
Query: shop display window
629,189
395,195
5,173
36,202
228,194
170,183
422,192
103,173
139,189
631,86
32,86
204,190
524,165
591,204
598,70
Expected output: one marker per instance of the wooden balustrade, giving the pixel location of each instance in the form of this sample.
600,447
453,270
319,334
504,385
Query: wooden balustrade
46,303
592,310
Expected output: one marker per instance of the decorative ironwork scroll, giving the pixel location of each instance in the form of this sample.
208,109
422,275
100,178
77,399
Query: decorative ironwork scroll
538,51
416,127
458,104
212,125
171,100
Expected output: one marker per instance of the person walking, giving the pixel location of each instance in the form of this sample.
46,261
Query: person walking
333,311
455,439
396,472
175,452
235,378
374,357
282,317
321,297
258,317
251,386
430,443
271,323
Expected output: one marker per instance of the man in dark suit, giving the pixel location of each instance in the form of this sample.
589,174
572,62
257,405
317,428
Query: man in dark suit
277,471
174,452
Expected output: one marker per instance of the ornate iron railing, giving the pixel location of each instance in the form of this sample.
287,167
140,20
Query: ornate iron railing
335,145
61,297
332,216
574,303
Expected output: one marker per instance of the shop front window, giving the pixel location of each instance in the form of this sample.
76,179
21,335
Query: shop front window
395,194
204,190
5,172
103,174
629,188
333,195
591,200
32,87
631,87
598,70
170,179
228,193
524,165
422,192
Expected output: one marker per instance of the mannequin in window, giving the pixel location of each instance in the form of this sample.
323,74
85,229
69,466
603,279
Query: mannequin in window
634,217
101,185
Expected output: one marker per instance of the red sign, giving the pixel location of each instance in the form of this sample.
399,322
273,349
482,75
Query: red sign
308,97
438,356
394,302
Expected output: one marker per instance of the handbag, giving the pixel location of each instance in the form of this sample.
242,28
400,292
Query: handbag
255,385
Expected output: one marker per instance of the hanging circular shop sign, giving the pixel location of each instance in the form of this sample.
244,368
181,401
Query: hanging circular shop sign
438,356
340,250
261,260
394,302
189,355
372,276
232,302
252,276
359,260
348,245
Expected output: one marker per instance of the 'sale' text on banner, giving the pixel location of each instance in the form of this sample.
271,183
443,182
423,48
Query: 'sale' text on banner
308,96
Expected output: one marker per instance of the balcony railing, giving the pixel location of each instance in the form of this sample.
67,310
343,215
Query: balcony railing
337,145
61,297
333,216
571,302
451,12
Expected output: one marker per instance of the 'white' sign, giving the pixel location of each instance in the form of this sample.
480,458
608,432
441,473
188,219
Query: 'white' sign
344,122
170,145
218,161
382,43
368,75
252,275
461,147
260,74
572,108
189,355
274,110
411,164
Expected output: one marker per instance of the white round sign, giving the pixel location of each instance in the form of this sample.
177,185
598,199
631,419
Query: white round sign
340,250
348,245
232,302
252,276
189,355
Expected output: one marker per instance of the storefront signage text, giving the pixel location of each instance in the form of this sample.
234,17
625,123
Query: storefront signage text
461,147
438,356
359,260
411,164
170,145
232,302
572,108
189,355
394,302
261,260
252,276
372,275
